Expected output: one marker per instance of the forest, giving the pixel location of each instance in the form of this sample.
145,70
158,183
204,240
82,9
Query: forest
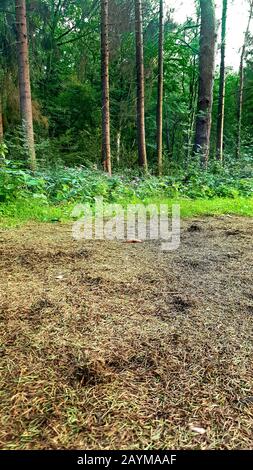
116,344
153,100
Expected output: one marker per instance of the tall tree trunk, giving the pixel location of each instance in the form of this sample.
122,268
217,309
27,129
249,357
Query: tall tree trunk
160,94
24,80
222,85
106,142
1,120
192,110
118,143
167,130
141,137
206,80
241,86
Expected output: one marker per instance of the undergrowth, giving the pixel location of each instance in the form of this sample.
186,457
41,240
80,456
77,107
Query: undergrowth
50,195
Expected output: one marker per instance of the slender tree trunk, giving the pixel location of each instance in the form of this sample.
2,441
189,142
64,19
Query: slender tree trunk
1,121
241,86
106,143
206,80
141,137
118,142
160,94
222,85
192,110
167,131
24,80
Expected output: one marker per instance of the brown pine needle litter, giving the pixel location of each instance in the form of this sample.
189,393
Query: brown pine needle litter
106,345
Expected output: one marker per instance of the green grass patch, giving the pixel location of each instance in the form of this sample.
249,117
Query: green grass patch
211,207
22,211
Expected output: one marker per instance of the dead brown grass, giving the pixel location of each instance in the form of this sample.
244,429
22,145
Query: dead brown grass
107,345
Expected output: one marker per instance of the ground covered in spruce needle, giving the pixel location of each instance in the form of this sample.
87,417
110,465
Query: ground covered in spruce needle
108,345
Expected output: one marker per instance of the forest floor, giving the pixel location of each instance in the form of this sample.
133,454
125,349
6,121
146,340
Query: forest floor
108,345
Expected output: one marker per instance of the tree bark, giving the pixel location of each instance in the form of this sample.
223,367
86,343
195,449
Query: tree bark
206,80
160,94
241,86
118,143
222,85
106,142
141,137
24,80
167,130
192,110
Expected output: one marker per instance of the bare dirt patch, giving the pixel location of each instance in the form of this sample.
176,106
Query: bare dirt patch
107,345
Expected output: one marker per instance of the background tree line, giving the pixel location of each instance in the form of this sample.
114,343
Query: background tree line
164,104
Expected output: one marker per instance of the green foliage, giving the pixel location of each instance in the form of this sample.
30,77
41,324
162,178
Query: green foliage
64,39
50,194
3,151
65,185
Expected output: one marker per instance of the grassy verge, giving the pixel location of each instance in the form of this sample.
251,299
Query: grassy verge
22,211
